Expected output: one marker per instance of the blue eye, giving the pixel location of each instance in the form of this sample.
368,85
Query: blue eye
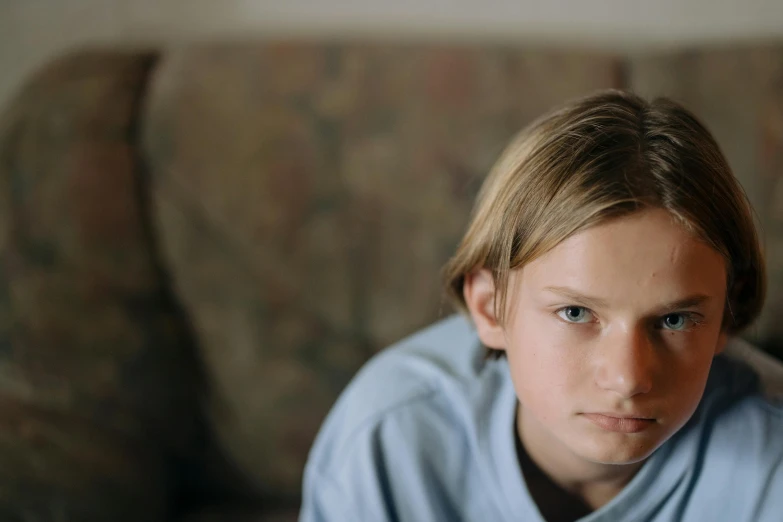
675,321
575,314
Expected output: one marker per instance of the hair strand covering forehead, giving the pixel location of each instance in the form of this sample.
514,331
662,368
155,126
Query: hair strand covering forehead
599,158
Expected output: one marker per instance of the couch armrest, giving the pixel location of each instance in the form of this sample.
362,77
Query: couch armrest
97,377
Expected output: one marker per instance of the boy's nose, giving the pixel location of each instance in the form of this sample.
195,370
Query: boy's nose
626,362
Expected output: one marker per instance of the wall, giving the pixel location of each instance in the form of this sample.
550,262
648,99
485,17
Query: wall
32,31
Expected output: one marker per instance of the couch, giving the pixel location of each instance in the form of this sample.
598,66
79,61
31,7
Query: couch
201,244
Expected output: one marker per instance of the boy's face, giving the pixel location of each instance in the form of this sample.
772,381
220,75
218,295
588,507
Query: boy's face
609,337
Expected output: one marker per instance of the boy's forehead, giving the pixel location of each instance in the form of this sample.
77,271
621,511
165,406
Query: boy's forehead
650,232
647,250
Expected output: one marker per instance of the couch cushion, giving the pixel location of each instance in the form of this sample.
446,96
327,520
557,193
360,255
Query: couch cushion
306,197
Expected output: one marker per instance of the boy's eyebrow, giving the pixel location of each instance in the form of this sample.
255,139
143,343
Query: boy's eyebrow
569,293
688,302
597,302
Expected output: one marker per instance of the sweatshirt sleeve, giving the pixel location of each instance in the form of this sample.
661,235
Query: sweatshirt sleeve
771,506
352,490
345,479
324,501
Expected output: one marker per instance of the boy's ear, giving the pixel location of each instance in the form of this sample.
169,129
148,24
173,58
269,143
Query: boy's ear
479,293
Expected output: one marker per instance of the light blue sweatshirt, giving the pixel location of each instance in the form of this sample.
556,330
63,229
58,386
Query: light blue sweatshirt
425,432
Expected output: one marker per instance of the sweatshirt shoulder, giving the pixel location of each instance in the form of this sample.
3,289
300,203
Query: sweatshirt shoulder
749,415
766,370
410,376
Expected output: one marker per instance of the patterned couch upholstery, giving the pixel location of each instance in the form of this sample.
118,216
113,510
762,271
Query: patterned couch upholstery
200,245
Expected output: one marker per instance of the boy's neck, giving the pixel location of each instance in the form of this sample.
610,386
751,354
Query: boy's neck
594,483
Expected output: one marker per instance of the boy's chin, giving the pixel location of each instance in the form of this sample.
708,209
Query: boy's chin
619,453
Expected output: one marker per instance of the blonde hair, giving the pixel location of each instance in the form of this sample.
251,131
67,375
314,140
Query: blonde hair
599,158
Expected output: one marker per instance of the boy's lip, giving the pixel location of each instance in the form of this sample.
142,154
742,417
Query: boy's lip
620,422
622,415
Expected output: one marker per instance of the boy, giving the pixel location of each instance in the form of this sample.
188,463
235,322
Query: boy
610,257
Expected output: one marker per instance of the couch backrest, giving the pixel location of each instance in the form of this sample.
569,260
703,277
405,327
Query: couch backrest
307,195
302,198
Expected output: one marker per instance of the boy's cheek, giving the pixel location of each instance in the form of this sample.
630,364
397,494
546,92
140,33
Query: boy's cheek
545,374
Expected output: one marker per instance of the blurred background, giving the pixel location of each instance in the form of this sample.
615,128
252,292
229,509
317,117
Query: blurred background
212,213
32,31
